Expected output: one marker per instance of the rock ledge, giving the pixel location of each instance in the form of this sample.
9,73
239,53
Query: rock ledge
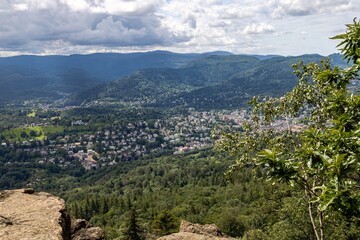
27,215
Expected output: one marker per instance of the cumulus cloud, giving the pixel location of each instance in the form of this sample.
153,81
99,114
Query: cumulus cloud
114,31
85,22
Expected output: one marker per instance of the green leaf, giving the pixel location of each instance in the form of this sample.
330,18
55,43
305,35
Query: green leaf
340,36
327,199
325,158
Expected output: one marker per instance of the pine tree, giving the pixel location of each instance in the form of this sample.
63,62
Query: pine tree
133,230
165,223
104,206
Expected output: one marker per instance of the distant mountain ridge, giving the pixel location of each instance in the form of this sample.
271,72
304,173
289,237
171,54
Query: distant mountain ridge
155,79
28,76
212,82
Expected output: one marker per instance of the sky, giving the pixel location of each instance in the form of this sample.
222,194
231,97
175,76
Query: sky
285,27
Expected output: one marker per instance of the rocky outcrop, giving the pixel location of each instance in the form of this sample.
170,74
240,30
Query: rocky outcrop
191,231
27,215
80,230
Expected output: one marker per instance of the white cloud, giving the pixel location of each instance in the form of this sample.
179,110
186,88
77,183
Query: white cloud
236,12
281,8
118,32
115,7
77,5
20,7
39,4
256,28
85,23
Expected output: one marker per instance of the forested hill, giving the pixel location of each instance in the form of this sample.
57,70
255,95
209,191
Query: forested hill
31,77
160,78
206,83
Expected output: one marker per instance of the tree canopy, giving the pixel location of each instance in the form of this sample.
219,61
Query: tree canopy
321,155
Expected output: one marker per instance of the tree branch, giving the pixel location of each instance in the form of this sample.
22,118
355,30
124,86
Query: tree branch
321,223
310,209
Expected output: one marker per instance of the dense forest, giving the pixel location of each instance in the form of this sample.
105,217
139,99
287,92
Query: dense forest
193,187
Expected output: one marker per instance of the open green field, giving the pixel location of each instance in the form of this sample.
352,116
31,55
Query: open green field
36,132
32,114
